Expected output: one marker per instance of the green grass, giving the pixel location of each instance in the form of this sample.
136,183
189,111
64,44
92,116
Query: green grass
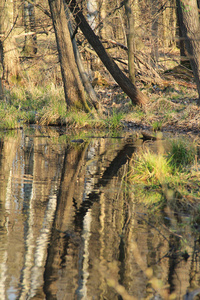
9,116
78,119
171,177
38,98
45,105
34,105
150,168
182,153
113,121
157,125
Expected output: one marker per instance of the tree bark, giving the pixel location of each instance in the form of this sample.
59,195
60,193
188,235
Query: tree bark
181,44
88,87
9,56
190,27
102,17
154,31
1,90
30,44
73,88
130,39
127,86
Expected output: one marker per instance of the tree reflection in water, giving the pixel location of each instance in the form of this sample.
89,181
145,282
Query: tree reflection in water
72,229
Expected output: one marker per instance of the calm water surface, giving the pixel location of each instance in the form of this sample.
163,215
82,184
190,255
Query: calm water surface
70,227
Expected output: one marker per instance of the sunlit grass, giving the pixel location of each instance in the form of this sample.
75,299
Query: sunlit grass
35,104
77,119
45,105
182,153
166,177
38,98
9,117
157,125
113,121
150,168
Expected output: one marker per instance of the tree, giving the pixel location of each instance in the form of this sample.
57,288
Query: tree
130,39
190,28
127,86
73,88
9,56
88,87
154,31
184,60
30,47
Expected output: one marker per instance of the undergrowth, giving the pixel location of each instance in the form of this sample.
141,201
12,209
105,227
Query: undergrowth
39,99
45,105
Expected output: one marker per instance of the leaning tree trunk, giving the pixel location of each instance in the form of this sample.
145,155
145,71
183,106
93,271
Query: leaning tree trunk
9,56
127,86
73,88
190,27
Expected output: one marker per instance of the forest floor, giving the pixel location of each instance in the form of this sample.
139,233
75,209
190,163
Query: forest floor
170,108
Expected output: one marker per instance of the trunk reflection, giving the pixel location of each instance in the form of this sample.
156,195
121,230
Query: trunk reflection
71,228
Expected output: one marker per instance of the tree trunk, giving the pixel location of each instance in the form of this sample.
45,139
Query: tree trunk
181,44
102,16
92,12
127,86
73,88
154,32
9,56
88,87
190,27
30,45
1,90
173,23
130,39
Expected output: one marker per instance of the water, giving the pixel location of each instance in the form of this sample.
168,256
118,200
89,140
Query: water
70,227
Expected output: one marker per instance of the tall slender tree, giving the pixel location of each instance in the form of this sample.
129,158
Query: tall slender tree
130,39
9,56
30,45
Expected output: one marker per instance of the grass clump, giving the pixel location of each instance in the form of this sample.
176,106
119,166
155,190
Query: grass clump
150,168
9,117
78,119
113,121
37,104
182,153
157,125
53,114
156,176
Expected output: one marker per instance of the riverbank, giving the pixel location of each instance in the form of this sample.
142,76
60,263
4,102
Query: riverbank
169,109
